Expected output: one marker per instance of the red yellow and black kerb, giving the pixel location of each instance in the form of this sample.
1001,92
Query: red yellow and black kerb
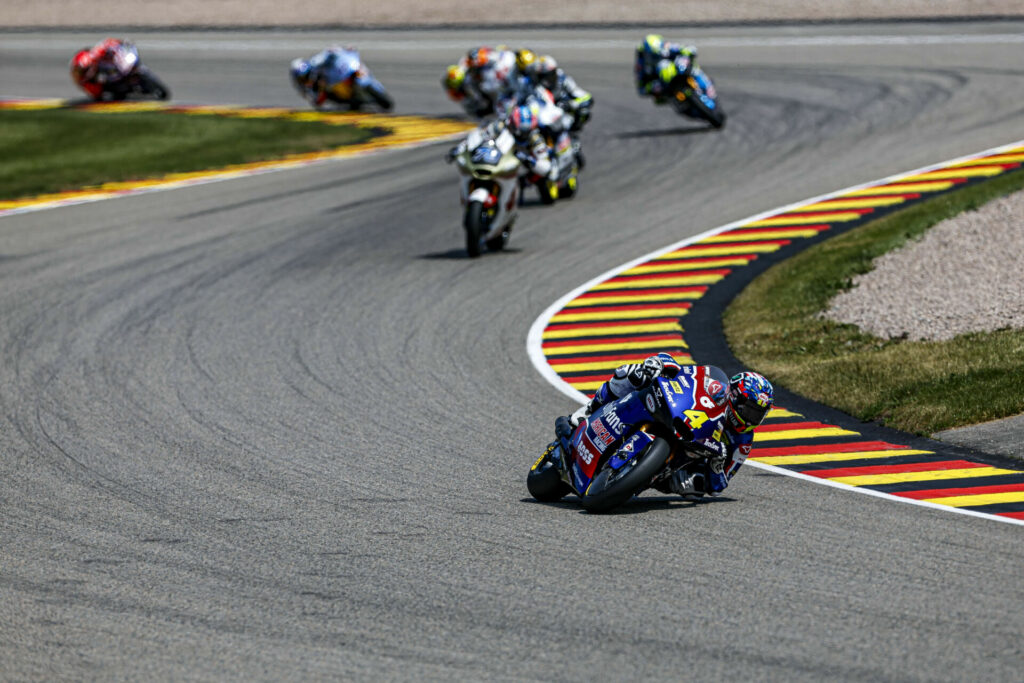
643,310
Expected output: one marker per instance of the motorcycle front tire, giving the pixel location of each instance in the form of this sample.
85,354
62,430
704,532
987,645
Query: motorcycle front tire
149,84
475,229
611,488
716,117
382,99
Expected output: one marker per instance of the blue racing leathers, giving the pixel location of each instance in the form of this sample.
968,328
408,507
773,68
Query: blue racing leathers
731,450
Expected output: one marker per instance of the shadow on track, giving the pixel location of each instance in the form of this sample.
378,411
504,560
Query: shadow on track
459,254
637,505
662,132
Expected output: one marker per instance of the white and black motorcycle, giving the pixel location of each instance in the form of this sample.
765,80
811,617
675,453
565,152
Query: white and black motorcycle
489,172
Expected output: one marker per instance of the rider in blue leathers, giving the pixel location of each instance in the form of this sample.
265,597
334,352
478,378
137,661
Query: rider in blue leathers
749,395
657,63
320,77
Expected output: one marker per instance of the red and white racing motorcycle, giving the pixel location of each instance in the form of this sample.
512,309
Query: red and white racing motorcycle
113,71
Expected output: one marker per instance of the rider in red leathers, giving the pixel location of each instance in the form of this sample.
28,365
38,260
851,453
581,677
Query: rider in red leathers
91,69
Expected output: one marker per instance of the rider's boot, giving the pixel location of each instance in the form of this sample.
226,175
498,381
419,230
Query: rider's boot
577,149
685,483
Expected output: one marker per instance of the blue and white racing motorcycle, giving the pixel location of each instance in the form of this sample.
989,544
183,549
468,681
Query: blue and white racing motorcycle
338,75
636,442
693,94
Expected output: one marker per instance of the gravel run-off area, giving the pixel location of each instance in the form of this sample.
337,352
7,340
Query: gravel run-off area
963,275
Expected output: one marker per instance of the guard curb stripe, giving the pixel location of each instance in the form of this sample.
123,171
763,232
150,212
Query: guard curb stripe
766,233
403,132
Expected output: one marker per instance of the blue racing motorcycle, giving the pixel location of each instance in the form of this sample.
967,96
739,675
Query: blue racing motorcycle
636,442
338,75
693,94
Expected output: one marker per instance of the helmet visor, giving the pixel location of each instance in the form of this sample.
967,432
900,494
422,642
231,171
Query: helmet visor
749,412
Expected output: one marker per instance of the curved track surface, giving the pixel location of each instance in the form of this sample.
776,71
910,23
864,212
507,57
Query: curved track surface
279,427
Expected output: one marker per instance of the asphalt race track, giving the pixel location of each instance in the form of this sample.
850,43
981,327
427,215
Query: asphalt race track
279,427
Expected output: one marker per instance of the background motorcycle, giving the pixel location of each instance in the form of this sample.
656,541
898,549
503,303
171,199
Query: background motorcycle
489,188
635,443
693,94
126,76
352,84
562,151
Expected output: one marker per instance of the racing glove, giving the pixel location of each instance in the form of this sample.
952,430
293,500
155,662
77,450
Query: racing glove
582,413
717,481
639,375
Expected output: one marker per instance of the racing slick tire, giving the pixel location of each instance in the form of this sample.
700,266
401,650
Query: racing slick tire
548,191
716,117
611,488
475,230
568,190
149,84
544,480
382,99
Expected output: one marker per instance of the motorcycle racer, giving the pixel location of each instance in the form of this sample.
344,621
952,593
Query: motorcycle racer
325,75
93,68
301,74
524,58
658,62
532,123
527,123
541,129
492,74
749,397
573,99
525,126
461,90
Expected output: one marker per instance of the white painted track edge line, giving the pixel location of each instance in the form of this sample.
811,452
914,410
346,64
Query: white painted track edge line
534,338
881,494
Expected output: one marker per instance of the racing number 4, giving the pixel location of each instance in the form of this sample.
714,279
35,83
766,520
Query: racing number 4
696,418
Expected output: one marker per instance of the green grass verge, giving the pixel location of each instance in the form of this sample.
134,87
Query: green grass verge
919,387
51,150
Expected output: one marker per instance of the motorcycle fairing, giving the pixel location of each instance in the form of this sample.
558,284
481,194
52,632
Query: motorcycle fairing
126,59
342,90
693,402
707,88
629,448
614,423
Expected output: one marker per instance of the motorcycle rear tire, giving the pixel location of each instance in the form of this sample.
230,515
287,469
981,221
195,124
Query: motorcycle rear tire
545,483
610,488
475,229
